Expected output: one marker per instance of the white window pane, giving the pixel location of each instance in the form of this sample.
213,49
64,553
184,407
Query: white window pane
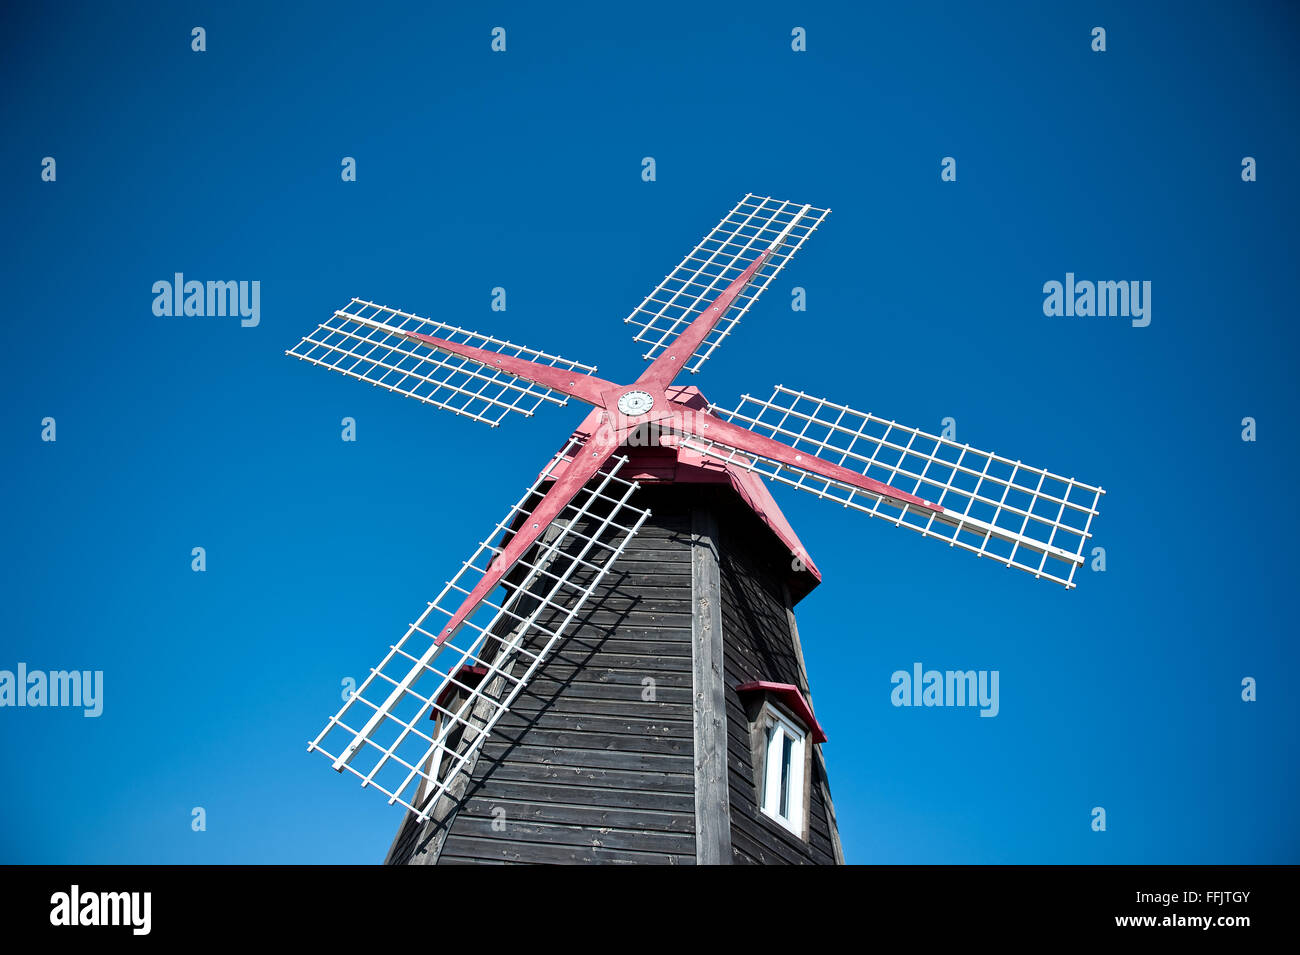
783,770
787,744
795,813
772,776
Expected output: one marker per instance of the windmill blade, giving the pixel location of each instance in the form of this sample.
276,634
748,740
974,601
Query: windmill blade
992,506
755,225
371,342
421,715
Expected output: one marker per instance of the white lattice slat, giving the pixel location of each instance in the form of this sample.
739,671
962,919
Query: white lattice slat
753,226
364,341
1020,515
422,713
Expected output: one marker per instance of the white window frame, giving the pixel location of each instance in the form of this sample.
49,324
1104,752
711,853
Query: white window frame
777,728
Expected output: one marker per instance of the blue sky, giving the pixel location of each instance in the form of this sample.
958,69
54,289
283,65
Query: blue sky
522,170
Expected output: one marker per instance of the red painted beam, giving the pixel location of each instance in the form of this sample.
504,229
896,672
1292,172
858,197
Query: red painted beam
666,367
586,462
706,427
586,388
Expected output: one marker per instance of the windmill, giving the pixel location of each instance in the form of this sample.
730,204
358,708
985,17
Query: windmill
615,672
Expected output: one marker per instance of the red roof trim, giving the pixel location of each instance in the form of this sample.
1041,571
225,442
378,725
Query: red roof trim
794,701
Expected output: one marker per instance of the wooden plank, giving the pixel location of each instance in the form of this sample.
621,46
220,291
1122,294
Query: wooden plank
605,617
612,686
629,680
516,721
475,850
674,635
712,815
588,758
556,812
764,850
630,707
640,743
668,689
574,660
753,825
508,829
593,777
678,804
654,585
592,642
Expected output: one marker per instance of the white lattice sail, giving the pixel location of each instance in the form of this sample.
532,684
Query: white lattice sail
365,341
1008,511
753,226
423,713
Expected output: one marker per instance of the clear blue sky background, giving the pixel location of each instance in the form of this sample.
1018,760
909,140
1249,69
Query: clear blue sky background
523,170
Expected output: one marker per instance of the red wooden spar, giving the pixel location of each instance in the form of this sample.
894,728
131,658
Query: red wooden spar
669,411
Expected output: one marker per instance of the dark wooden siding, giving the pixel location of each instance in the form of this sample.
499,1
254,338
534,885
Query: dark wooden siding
583,768
760,646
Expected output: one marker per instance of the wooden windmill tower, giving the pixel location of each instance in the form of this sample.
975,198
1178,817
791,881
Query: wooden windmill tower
615,673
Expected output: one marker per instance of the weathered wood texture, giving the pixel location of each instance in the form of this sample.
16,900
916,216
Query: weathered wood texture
595,760
594,763
712,814
760,645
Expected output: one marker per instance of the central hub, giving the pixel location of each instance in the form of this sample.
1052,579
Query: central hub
635,403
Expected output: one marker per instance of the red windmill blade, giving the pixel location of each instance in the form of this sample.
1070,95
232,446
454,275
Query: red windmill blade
574,521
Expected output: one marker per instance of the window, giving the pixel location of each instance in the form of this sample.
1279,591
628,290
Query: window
783,769
782,731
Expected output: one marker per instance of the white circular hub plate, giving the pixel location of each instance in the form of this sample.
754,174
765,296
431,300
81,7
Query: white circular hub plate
635,403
